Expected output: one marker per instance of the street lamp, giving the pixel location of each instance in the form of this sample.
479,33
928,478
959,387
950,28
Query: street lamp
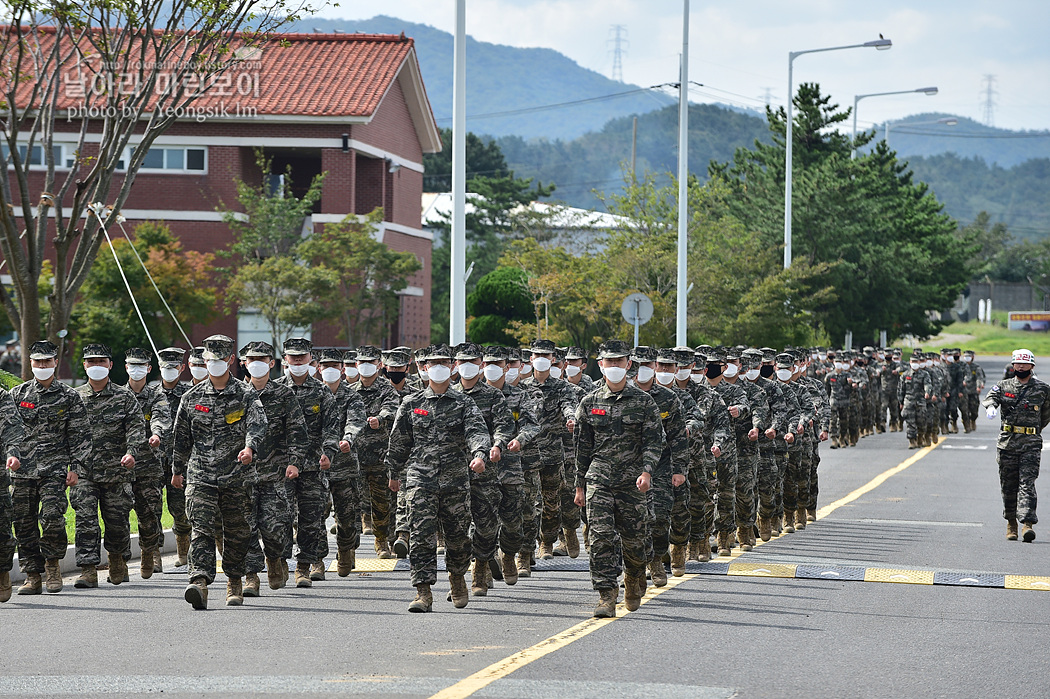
947,121
879,44
928,91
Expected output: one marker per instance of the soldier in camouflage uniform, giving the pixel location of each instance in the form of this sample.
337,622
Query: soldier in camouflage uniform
434,434
198,365
307,494
220,428
818,431
149,470
766,486
118,437
172,365
575,365
396,365
786,442
282,455
889,377
574,362
797,472
839,389
746,510
973,382
913,390
618,446
12,434
1023,405
956,386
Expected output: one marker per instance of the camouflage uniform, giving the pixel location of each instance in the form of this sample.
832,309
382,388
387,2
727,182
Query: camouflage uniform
838,388
12,434
57,440
175,497
912,390
618,436
726,465
973,388
796,476
768,471
149,471
211,427
785,452
381,402
345,472
821,424
746,508
117,428
717,430
890,378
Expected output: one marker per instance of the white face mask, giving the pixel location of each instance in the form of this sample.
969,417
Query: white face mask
664,378
198,372
929,363
298,369
695,378
914,365
784,374
752,374
555,372
439,373
683,374
525,370
493,372
967,359
822,357
469,371
367,369
949,359
312,369
614,374
43,374
258,369
136,372
330,374
97,373
169,375
541,363
512,374
572,370
645,374
424,375
217,367
731,370
350,372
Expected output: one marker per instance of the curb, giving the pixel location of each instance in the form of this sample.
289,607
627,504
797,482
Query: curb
69,561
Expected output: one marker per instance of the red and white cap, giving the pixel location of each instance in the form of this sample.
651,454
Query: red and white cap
1023,356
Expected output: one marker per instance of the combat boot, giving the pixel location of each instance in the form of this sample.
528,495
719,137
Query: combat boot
302,575
197,593
5,586
424,601
1011,530
606,607
275,573
657,573
559,547
703,551
834,442
677,560
724,547
182,549
345,561
789,521
692,550
800,519
811,514
158,564
383,548
460,594
510,568
366,525
1027,534
572,543
743,535
776,524
146,564
52,575
546,551
913,443
955,427
32,585
524,570
401,546
479,578
495,570
251,585
633,589
317,571
765,530
118,569
234,592
88,578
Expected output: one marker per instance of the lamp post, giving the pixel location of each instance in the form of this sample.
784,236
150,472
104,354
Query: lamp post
928,91
879,44
947,121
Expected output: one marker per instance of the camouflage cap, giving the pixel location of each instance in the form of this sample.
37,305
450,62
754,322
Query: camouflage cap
715,355
666,355
297,346
44,349
439,351
330,354
542,347
369,353
404,348
754,355
575,353
258,350
494,353
391,358
525,353
196,355
171,357
785,360
612,349
968,353
467,352
643,354
96,350
869,350
242,353
513,354
559,354
768,354
137,355
350,357
732,354
684,356
217,347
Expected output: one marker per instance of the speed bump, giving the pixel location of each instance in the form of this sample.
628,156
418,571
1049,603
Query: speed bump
1027,582
762,570
894,575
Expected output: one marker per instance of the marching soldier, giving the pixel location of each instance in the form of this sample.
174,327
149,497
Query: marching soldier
726,467
766,487
172,364
974,381
12,432
747,451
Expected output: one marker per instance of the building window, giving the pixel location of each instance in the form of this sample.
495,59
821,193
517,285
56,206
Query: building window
35,155
175,159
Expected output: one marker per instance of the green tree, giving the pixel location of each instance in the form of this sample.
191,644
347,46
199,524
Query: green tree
484,159
499,298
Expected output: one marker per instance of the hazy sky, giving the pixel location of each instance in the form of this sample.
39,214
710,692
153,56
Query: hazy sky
739,48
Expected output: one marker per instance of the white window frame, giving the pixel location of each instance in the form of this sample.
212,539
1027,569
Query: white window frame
172,171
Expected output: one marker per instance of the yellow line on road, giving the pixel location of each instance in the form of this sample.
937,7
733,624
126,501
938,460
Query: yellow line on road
486,676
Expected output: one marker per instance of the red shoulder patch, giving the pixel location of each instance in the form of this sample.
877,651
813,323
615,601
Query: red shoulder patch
421,411
201,409
597,411
832,380
1009,395
27,404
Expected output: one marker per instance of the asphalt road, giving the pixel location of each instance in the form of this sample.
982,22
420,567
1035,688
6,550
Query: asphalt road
711,635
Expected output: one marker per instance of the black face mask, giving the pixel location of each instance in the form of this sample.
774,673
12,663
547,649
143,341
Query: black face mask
767,370
1022,374
713,371
395,376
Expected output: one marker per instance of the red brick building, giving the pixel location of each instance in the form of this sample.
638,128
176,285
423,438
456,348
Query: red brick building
350,105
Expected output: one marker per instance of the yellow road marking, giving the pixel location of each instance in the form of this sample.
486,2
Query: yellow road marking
1027,582
763,570
486,676
893,575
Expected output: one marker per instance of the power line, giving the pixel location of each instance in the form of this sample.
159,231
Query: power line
620,45
948,134
556,105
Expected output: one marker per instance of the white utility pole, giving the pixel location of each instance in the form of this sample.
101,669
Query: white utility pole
458,283
683,184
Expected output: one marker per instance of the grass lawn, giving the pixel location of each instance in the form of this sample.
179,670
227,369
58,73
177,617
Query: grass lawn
165,520
984,338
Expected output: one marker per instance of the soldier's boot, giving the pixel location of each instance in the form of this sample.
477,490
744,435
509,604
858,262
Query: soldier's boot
743,536
400,546
495,570
765,529
275,573
87,579
572,542
955,426
559,548
345,561
5,586
197,593
182,548
118,569
458,588
479,578
52,575
234,592
284,570
811,514
913,443
546,551
703,551
724,547
677,552
424,601
32,585
657,573
1011,530
317,571
302,575
633,589
789,521
692,551
524,570
776,524
800,519
366,525
1027,534
509,568
146,564
251,585
158,565
834,442
383,548
606,607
